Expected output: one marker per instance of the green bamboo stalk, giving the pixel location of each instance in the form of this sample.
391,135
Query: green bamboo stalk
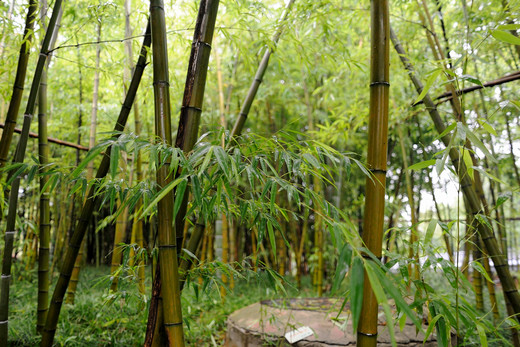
260,72
376,162
474,203
90,203
168,265
187,131
45,226
19,83
19,158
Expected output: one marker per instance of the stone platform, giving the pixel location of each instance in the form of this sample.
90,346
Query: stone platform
265,324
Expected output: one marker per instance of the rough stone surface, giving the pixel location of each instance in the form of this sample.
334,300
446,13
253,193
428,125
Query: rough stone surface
265,324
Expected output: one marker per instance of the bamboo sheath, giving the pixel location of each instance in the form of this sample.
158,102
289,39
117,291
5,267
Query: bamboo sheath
260,72
19,83
19,158
169,274
376,162
474,203
90,202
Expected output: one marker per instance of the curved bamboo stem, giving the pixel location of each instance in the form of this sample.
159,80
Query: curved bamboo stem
376,161
90,202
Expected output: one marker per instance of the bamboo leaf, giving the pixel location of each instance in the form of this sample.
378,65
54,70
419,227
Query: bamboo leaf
429,232
341,269
485,124
506,37
482,335
509,27
480,268
272,239
421,165
429,82
430,327
474,139
381,298
356,292
469,163
161,195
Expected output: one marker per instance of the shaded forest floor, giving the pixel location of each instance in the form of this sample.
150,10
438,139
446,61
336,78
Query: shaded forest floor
98,318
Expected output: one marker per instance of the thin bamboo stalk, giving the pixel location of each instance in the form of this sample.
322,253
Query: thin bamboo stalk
90,203
19,83
19,158
45,219
487,236
413,270
376,161
260,72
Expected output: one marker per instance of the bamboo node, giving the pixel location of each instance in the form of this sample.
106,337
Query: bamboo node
380,83
172,324
191,108
6,276
366,334
167,246
378,171
164,83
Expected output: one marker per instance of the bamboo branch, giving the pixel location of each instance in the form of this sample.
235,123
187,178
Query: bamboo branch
51,139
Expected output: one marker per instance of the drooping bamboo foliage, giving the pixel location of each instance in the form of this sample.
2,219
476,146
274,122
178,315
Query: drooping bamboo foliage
474,203
90,203
19,83
376,161
19,158
260,72
168,265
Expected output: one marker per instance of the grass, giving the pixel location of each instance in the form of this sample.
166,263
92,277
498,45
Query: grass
100,319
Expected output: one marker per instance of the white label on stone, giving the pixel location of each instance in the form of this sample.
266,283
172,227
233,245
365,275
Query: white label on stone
298,334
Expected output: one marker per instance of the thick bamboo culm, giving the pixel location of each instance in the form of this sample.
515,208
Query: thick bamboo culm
169,272
475,206
260,72
19,158
188,129
19,83
45,217
376,161
90,202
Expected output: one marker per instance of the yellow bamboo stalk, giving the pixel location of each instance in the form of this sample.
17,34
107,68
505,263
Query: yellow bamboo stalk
376,161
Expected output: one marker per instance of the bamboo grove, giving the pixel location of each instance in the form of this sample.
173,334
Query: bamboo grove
367,151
